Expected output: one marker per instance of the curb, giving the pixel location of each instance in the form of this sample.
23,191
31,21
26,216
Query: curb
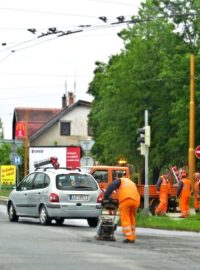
3,200
177,215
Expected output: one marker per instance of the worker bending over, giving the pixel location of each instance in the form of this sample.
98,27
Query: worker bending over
163,187
129,201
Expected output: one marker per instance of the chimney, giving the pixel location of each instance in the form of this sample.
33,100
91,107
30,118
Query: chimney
64,101
70,98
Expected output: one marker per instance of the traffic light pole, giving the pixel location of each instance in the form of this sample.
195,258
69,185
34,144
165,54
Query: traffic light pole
146,186
144,140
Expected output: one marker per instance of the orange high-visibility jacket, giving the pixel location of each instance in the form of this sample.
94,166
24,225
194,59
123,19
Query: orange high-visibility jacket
197,187
186,187
128,189
197,195
163,185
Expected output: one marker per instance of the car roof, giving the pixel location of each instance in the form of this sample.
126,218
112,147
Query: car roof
60,170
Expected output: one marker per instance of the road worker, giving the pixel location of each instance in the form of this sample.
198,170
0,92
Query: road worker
183,193
197,192
129,201
163,188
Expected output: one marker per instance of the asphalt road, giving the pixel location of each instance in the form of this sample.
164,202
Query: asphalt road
26,245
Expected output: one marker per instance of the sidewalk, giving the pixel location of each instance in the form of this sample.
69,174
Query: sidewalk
177,215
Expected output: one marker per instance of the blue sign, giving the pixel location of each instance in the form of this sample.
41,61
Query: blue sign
17,160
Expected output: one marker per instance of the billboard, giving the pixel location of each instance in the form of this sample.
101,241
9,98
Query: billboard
73,157
68,156
20,130
7,175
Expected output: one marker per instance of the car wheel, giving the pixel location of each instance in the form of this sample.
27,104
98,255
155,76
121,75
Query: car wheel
44,217
12,213
59,221
92,222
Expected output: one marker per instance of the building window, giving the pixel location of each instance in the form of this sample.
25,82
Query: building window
65,128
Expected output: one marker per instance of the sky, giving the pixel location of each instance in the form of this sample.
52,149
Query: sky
43,54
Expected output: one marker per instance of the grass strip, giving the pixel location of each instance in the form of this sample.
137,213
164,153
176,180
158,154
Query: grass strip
191,223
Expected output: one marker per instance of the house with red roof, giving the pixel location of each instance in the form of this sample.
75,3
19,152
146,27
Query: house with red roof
63,126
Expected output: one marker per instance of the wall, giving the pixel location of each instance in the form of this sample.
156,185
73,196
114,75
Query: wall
79,129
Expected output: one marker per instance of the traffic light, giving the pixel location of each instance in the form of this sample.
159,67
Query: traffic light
147,136
144,135
141,138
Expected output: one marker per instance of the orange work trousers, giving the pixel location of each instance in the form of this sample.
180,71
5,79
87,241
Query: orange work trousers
196,202
197,197
162,207
127,209
184,204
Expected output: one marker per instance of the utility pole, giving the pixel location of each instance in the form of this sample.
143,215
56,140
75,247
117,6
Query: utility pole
191,150
26,142
146,186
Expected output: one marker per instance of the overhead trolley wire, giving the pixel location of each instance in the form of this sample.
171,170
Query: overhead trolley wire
83,28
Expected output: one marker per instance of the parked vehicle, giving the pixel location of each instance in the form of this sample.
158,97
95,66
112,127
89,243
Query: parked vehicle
106,174
56,194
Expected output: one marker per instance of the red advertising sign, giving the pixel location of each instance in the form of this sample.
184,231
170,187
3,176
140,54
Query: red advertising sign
20,130
73,157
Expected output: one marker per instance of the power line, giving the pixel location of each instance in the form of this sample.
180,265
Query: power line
39,74
2,60
60,34
164,79
46,12
114,2
30,97
31,87
25,97
82,28
19,44
37,86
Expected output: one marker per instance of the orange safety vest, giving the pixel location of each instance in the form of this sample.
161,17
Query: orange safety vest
164,187
197,195
197,187
128,189
185,192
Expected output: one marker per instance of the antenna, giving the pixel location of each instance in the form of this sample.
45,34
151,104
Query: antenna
75,86
66,86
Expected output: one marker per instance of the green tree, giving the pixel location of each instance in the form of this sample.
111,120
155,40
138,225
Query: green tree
5,150
152,72
1,130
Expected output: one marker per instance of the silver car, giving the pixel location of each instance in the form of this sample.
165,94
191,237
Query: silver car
56,194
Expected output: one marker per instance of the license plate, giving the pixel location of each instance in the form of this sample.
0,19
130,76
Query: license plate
78,197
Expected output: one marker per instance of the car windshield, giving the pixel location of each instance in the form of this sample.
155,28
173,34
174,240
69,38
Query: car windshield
75,181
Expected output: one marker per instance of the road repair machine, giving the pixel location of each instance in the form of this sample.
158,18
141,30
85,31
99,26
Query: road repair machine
108,220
